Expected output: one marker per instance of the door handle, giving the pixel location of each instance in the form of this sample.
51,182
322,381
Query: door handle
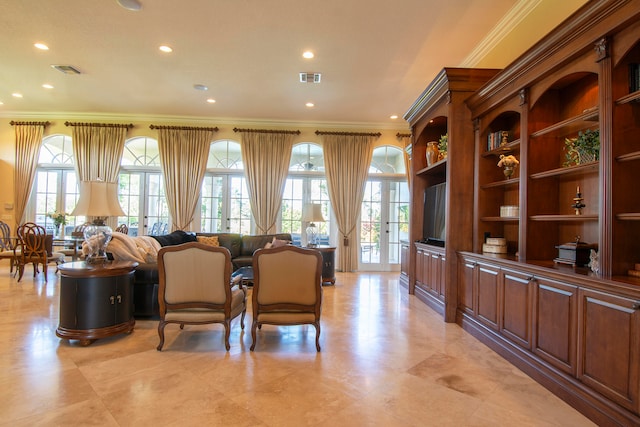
112,299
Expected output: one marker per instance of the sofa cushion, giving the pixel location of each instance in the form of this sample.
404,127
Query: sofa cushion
209,240
175,238
231,241
251,243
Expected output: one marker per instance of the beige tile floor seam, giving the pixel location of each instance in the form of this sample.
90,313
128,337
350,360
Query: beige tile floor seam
387,360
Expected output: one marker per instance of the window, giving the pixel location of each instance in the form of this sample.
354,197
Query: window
141,188
55,188
306,184
225,206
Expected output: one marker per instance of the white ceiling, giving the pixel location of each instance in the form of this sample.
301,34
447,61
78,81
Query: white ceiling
375,56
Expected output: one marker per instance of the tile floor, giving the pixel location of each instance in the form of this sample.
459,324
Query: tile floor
386,360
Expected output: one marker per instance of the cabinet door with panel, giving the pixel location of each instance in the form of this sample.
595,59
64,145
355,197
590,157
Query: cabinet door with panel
488,295
609,346
466,285
517,307
555,320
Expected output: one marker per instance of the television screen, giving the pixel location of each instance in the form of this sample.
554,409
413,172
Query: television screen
435,198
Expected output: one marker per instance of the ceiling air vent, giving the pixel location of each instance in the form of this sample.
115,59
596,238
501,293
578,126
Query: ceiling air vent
67,69
310,77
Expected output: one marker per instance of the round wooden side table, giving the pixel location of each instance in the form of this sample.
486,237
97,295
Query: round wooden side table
96,300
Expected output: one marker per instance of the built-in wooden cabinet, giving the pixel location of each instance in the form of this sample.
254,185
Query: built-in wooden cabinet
441,110
404,264
574,328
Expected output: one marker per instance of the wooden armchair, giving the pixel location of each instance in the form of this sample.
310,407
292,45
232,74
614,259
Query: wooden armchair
35,247
287,288
195,288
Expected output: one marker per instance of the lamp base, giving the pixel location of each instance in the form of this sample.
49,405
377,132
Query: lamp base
312,236
96,238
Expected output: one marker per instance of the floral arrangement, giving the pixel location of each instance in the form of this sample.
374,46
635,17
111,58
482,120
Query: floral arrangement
59,218
443,142
508,161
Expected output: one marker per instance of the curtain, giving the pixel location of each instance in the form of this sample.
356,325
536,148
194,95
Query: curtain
98,149
266,157
28,142
183,157
347,159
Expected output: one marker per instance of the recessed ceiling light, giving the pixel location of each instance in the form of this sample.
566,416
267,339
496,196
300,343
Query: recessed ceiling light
41,46
1,103
16,95
393,117
165,49
47,86
310,104
211,101
200,87
130,4
308,54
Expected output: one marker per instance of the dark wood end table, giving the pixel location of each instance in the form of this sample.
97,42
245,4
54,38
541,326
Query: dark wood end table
96,300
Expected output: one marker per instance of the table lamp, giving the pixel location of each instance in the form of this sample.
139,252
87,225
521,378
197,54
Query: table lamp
98,199
312,213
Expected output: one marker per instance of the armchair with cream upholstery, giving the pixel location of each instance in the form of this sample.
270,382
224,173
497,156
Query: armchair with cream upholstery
287,288
195,288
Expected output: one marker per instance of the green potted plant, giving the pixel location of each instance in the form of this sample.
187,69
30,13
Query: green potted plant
584,148
442,146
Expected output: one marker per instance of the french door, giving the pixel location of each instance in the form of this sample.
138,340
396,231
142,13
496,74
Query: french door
225,206
143,199
384,222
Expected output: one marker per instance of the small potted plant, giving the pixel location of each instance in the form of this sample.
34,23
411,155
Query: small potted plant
583,149
442,146
508,163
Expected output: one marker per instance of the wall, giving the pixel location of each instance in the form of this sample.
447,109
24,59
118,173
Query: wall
141,128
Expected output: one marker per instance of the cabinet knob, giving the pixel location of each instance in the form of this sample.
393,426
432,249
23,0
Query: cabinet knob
112,299
119,299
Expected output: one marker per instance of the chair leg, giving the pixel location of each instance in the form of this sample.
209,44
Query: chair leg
161,326
254,325
317,325
227,332
244,312
20,271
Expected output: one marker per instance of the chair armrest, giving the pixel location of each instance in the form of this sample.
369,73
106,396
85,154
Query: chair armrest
235,280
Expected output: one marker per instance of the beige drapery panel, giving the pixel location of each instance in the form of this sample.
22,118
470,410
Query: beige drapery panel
405,138
28,143
98,148
183,156
347,157
266,155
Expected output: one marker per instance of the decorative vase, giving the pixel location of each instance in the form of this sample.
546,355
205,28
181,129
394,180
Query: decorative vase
508,171
432,153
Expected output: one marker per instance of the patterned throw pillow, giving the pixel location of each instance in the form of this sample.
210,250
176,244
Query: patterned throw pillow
209,240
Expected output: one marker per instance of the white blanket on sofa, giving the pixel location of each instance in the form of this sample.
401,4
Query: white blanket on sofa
142,249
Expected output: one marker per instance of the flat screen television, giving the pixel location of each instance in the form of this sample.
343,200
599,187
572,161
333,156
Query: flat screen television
433,227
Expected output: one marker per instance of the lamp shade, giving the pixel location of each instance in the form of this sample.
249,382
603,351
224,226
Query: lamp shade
312,212
98,198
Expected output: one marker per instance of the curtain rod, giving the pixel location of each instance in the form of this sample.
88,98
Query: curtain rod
12,123
293,132
320,132
214,129
403,135
101,125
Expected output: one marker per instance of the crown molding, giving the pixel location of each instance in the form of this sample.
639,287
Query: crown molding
508,23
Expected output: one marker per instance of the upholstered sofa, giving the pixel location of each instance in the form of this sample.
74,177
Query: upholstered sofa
241,247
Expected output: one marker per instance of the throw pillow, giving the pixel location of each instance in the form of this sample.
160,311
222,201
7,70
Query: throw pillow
276,243
209,240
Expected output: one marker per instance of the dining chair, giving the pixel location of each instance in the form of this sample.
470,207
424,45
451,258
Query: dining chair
35,247
7,246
